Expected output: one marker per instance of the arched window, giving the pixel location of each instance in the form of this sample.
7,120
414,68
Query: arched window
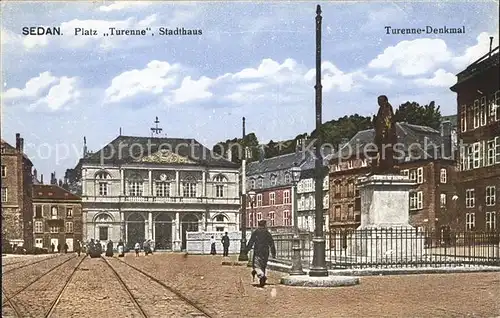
219,181
103,218
53,212
260,182
220,218
135,186
189,187
102,182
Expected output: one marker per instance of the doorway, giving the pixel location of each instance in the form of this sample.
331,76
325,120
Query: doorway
163,232
55,242
135,230
189,224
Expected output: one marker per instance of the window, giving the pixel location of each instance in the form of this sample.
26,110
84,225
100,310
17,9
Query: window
287,221
4,171
103,188
69,227
219,190
490,196
337,215
272,198
286,197
497,106
260,183
53,212
420,175
416,200
54,229
350,212
470,198
69,212
491,221
259,216
302,203
442,200
350,188
287,178
476,154
259,199
4,195
3,149
325,201
491,153
337,188
497,151
38,212
476,114
103,233
219,229
413,175
38,227
271,218
484,111
162,189
273,180
220,218
252,183
136,188
405,172
443,175
463,118
189,189
470,221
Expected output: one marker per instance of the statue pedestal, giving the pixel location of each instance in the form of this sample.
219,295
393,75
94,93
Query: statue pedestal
385,233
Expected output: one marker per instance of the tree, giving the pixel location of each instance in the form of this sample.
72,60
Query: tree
237,146
413,113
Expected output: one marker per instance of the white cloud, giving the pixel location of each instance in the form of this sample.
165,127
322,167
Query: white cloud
8,37
441,78
47,91
123,5
476,51
192,90
417,57
154,79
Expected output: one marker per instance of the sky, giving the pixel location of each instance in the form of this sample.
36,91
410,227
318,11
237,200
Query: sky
255,60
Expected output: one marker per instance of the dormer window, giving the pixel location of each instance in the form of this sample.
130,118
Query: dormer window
261,182
274,180
287,178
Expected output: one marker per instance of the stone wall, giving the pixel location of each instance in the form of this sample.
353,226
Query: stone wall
199,242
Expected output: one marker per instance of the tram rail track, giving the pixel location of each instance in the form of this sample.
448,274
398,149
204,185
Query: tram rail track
23,266
179,299
15,293
23,302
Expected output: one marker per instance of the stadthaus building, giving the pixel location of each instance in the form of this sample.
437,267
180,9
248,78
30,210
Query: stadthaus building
138,188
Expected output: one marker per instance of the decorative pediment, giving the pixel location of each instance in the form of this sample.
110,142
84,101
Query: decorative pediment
166,156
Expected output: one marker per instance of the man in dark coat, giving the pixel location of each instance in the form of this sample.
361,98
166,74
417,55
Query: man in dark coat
78,247
261,241
109,249
225,244
385,138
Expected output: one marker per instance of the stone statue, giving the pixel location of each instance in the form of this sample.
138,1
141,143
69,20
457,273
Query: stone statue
385,138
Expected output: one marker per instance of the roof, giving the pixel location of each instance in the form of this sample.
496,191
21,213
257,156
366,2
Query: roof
487,61
310,162
281,162
132,149
52,192
422,140
6,145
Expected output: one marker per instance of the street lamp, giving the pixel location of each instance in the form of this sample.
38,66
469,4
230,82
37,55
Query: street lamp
243,257
296,258
251,195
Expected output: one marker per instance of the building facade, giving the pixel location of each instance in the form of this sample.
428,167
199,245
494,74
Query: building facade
425,159
271,180
17,179
478,101
306,200
57,218
138,188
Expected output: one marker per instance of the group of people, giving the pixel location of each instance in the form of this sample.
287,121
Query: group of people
147,246
53,248
225,245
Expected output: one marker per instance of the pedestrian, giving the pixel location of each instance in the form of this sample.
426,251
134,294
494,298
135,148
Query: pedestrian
137,248
78,247
212,246
261,241
52,247
58,248
121,248
66,247
225,244
150,247
109,249
145,247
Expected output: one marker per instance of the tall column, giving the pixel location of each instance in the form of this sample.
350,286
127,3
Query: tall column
177,188
84,226
177,241
122,185
122,225
150,222
204,184
150,182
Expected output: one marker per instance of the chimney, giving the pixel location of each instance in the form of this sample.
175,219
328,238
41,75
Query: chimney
299,144
18,141
41,178
21,145
261,154
60,183
35,174
84,147
491,44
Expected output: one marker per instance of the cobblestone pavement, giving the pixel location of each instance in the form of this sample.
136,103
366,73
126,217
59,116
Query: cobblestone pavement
227,291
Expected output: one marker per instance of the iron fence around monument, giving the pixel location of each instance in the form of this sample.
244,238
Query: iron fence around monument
397,247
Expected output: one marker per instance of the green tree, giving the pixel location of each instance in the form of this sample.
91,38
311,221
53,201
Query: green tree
413,113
